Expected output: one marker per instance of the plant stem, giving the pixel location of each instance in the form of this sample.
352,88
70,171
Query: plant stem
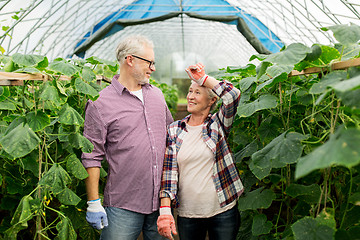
282,196
38,218
347,201
281,106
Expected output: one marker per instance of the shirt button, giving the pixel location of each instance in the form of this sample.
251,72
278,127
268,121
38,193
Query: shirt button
154,166
149,129
153,147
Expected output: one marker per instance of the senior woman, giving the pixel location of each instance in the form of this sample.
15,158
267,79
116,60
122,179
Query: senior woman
200,178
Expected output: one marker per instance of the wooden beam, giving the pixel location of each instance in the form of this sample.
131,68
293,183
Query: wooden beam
334,66
16,79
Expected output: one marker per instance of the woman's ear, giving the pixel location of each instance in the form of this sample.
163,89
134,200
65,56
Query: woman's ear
213,100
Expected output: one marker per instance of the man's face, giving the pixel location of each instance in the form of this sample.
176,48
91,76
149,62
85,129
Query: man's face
142,68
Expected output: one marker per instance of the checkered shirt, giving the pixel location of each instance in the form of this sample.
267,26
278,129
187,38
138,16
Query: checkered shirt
215,131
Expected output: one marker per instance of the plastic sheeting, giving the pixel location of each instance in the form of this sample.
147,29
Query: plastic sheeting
140,12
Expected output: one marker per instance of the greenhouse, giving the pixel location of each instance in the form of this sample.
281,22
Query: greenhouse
295,135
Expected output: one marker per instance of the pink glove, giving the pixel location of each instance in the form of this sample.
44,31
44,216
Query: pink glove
197,73
166,223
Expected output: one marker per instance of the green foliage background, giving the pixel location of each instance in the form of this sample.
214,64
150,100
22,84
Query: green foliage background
296,142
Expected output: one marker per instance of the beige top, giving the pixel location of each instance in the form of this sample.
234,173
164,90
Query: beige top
196,191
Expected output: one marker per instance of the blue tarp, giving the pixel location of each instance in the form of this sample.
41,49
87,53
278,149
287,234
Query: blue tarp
142,11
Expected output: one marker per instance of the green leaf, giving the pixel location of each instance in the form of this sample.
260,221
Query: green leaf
68,197
63,67
309,228
16,120
88,232
263,102
65,230
342,149
261,69
309,194
79,141
103,173
20,141
50,93
355,198
23,212
30,163
269,129
349,51
37,120
7,105
1,179
261,225
85,88
346,34
292,54
283,150
241,69
2,50
246,83
88,74
246,151
347,85
326,81
4,93
27,60
20,218
328,54
56,178
69,116
279,72
314,54
256,199
350,98
9,66
74,166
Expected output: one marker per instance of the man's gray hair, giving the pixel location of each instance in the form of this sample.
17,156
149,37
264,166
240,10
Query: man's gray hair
132,45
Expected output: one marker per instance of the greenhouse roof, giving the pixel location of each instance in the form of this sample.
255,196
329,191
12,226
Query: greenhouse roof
216,32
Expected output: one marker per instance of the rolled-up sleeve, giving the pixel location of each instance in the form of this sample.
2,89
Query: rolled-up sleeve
95,131
170,170
230,99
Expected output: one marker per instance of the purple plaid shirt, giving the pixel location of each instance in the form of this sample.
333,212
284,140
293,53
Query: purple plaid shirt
131,136
216,128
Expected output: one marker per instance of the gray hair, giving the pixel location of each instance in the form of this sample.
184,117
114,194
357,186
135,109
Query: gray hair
132,45
211,95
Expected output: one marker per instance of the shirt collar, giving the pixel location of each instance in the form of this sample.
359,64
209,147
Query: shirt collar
186,119
120,88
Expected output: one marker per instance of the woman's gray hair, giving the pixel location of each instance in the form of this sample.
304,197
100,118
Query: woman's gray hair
211,95
132,45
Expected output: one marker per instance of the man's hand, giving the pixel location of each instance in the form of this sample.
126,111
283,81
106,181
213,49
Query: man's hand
197,73
96,215
166,223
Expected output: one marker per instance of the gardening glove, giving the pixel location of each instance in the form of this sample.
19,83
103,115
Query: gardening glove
96,215
166,223
197,73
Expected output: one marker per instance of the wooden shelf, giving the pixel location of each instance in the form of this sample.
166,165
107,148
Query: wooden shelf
335,66
17,79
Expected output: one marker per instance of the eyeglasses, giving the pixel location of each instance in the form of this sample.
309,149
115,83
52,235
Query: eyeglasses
151,63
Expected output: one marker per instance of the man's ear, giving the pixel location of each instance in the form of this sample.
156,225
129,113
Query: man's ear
129,60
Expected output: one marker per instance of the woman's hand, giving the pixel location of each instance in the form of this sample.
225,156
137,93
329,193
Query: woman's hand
166,223
197,73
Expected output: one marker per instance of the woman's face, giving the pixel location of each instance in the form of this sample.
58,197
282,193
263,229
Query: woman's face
198,99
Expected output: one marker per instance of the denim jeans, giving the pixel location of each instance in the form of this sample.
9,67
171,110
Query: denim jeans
127,225
223,226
